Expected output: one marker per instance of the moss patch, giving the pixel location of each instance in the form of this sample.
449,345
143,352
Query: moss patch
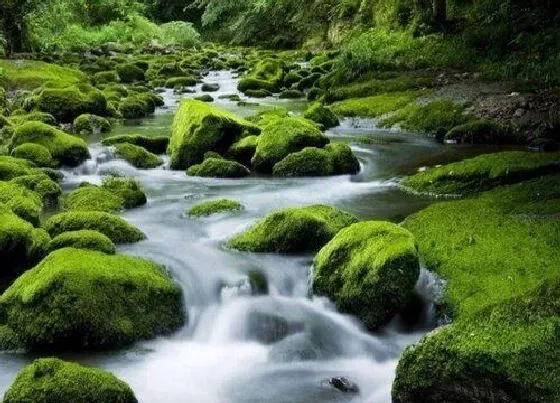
93,198
28,74
23,202
129,190
481,132
35,153
66,104
243,150
321,115
156,145
84,239
373,106
218,168
213,207
88,124
137,156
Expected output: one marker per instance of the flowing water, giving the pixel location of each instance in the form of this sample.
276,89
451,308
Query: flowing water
241,348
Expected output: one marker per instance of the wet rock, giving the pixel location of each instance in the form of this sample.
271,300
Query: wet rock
294,348
210,87
344,385
267,328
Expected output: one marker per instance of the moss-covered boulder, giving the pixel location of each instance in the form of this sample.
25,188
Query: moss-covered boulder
12,167
18,119
106,77
49,380
268,74
261,93
36,153
218,168
66,104
155,145
21,245
91,124
243,150
210,87
310,161
137,156
322,115
65,148
199,127
128,189
78,299
180,82
345,161
114,227
93,198
293,230
369,270
291,94
83,239
214,207
42,184
281,137
23,202
139,105
130,73
481,132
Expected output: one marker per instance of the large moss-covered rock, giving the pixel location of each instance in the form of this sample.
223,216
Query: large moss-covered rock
344,160
66,104
39,182
129,190
199,128
50,380
322,115
77,299
83,239
293,230
116,228
93,198
369,270
218,168
12,167
130,72
156,145
310,161
244,149
36,153
137,156
22,201
88,124
283,136
65,148
267,74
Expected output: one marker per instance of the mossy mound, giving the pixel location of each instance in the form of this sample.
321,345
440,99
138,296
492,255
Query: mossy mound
129,190
283,136
106,77
213,207
155,145
130,73
66,104
483,172
310,161
293,230
65,148
262,93
34,116
22,201
481,132
199,127
137,156
369,270
139,105
291,94
36,153
218,168
322,115
344,160
93,198
12,167
41,183
268,74
204,98
101,302
84,239
243,150
21,245
91,124
114,227
50,380
30,74
374,106
180,82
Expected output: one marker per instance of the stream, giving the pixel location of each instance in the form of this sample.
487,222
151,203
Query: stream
230,350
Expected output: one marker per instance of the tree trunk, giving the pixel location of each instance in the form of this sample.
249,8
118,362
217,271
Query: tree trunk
439,9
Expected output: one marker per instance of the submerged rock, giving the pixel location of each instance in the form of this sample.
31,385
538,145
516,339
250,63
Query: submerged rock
267,328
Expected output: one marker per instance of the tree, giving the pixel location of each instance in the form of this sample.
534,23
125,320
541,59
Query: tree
12,21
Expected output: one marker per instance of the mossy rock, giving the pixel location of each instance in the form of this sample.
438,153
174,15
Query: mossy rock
199,128
322,115
130,73
78,299
481,132
137,156
91,124
293,230
83,239
34,116
21,245
243,150
369,270
292,78
129,190
114,227
22,201
483,172
281,137
180,82
250,84
262,93
310,161
138,106
213,207
292,94
12,167
218,168
65,148
42,184
156,145
345,161
67,104
210,87
36,153
205,98
50,380
106,77
93,198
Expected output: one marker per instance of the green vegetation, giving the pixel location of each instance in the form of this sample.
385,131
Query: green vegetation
89,124
368,269
114,227
243,150
213,207
481,132
50,379
156,145
137,156
93,198
84,239
483,172
267,75
68,302
321,115
29,74
199,127
374,106
39,182
35,153
293,230
129,190
23,202
218,168
67,104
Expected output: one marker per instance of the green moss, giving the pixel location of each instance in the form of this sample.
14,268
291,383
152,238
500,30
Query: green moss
291,78
180,82
28,74
199,127
9,340
261,93
129,190
42,184
483,172
213,207
78,299
89,124
49,379
138,106
130,73
116,228
137,156
292,94
267,75
210,87
156,145
66,104
293,230
308,82
369,270
344,160
23,202
255,86
65,148
37,116
283,136
84,239
374,106
204,98
93,198
310,161
218,168
481,132
106,77
321,115
11,167
243,150
35,153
